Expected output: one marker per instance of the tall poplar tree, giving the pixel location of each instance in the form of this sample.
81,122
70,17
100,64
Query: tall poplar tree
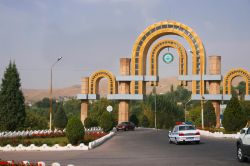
12,107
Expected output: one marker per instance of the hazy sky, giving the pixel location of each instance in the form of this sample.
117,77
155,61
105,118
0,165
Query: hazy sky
93,34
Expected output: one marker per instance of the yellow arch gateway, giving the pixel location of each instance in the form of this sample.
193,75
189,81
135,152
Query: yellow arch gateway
95,80
158,47
227,81
152,33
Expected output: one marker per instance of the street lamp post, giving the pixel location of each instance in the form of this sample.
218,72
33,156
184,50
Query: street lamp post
186,108
155,106
202,99
50,112
201,93
202,112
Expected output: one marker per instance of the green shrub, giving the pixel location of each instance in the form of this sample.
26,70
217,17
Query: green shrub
133,118
106,122
60,119
234,118
89,122
35,122
74,130
195,116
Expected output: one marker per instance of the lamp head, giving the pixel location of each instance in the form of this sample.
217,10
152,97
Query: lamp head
58,59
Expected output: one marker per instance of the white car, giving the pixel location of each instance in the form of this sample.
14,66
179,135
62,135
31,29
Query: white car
243,145
184,133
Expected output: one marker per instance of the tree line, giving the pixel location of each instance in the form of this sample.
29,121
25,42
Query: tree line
168,109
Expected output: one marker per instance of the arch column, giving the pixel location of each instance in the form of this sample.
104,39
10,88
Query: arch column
84,102
123,115
214,86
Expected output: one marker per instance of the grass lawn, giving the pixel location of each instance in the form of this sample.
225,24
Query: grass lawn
49,141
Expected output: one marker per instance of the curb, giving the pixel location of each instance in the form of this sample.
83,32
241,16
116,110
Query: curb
219,134
100,141
44,147
57,147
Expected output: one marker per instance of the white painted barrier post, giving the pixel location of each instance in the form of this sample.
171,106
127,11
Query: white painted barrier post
41,163
55,164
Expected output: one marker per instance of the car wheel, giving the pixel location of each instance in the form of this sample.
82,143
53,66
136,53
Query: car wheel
240,154
125,129
169,140
197,142
176,142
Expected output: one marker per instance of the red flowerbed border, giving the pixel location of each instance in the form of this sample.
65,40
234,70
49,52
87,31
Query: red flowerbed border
5,163
94,135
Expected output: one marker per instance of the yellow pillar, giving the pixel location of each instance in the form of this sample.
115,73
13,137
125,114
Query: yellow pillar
124,89
123,111
214,86
216,105
85,102
84,110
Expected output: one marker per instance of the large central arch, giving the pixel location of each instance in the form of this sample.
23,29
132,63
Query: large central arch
152,33
158,47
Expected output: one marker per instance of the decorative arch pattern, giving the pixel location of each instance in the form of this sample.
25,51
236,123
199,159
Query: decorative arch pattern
227,81
158,47
95,78
152,33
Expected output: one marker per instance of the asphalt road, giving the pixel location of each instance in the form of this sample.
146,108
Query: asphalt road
145,147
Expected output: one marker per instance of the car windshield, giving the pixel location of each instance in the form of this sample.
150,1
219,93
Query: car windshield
181,128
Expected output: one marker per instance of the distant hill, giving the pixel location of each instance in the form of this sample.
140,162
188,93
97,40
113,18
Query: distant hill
34,95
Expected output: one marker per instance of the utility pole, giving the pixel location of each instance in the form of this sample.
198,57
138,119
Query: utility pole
155,106
186,108
202,98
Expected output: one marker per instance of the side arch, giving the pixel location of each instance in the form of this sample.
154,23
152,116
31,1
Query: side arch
152,33
158,47
95,78
227,81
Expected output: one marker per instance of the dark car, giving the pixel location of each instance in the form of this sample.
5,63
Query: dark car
125,126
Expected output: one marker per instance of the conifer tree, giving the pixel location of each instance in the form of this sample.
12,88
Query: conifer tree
234,118
106,122
209,115
60,119
133,118
12,108
144,121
